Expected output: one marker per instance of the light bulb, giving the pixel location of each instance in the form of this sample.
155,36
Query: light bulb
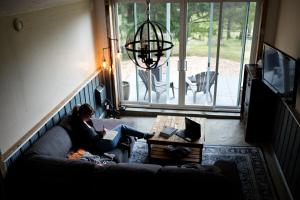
104,64
118,55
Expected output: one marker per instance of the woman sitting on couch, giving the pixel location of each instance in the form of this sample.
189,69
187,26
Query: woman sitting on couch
91,140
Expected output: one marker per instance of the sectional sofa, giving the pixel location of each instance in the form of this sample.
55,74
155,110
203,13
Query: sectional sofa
44,171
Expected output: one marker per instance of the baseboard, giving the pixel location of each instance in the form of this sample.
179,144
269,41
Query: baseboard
2,166
151,112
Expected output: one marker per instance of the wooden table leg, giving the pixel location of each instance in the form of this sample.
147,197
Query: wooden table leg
149,151
200,154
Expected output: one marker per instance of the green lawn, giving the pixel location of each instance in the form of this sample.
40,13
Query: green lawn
230,49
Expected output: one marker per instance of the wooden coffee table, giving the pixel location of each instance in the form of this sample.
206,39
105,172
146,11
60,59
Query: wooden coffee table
157,143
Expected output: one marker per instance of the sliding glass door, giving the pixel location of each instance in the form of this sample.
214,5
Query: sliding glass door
201,52
164,89
235,46
212,42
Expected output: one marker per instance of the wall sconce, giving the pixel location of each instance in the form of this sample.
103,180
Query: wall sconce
108,77
103,59
104,63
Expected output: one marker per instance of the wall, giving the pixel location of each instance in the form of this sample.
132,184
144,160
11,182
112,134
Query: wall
288,28
271,21
288,33
42,64
283,30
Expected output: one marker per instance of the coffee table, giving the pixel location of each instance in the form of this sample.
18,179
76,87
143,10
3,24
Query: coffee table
157,143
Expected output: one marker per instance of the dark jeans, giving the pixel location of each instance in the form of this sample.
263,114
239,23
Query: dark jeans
108,145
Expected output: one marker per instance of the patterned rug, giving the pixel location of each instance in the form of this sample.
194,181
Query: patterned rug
256,183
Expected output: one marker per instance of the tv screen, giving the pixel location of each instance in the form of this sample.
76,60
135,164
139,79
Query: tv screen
278,70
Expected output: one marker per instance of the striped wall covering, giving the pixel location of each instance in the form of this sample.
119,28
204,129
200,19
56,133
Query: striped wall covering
286,145
85,95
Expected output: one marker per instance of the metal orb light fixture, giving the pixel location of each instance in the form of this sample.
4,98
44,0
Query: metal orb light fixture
150,46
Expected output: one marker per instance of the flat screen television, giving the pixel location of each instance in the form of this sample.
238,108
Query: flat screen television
278,71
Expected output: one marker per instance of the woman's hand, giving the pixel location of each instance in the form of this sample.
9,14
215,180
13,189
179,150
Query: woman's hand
102,132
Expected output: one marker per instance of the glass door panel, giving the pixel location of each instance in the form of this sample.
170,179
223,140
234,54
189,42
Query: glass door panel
249,32
129,16
248,45
235,47
164,89
201,51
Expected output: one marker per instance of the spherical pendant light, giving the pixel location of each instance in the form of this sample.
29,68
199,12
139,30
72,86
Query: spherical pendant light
150,46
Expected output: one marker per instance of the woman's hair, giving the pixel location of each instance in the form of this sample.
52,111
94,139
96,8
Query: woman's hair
75,110
85,110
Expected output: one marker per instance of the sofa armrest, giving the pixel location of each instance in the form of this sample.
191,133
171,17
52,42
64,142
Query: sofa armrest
39,177
39,165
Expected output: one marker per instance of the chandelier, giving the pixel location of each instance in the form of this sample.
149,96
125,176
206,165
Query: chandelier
150,46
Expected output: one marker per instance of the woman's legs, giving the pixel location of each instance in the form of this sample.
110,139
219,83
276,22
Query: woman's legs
107,145
127,130
103,145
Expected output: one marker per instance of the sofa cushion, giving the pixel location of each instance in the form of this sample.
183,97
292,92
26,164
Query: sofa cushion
120,154
66,123
56,142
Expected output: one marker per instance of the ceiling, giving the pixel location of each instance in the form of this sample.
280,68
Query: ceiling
14,7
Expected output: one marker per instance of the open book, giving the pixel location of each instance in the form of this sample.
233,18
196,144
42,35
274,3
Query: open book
110,135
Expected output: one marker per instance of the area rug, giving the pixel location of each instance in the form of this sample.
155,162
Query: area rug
256,182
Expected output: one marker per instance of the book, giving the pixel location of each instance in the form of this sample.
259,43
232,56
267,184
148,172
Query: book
110,135
168,131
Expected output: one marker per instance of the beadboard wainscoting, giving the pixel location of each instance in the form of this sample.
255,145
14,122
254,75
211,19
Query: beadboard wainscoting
84,94
286,145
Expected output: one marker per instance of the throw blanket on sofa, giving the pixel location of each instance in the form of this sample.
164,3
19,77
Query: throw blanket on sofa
83,155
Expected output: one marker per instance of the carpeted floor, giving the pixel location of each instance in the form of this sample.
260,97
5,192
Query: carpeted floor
255,179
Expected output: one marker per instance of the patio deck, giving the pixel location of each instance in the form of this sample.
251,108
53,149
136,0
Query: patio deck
227,91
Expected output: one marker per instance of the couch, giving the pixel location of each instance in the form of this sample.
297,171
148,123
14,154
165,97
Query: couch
45,172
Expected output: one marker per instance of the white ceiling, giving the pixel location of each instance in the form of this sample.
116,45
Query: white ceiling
13,7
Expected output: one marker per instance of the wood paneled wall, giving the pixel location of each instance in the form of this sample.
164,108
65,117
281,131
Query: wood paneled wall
85,95
286,144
